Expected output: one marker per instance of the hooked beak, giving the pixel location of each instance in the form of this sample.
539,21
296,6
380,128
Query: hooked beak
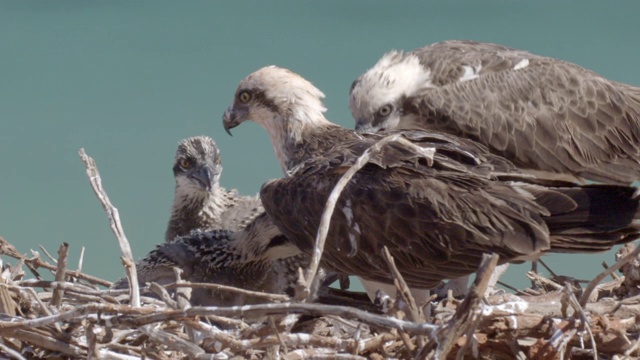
364,127
231,119
205,177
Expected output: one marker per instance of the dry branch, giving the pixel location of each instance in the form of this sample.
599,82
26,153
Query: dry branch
231,289
58,292
327,213
36,262
116,226
107,323
463,328
592,285
466,318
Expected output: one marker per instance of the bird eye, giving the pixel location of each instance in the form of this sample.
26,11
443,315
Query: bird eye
184,163
385,110
244,96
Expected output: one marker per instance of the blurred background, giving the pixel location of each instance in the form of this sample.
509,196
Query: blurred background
127,80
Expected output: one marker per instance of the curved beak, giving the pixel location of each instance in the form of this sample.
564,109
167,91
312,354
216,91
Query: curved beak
231,119
364,127
205,176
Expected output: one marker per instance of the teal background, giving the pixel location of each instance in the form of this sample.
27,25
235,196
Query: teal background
128,79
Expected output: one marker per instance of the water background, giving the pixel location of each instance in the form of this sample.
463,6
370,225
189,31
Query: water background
128,79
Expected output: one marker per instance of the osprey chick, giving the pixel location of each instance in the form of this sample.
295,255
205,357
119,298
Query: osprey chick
257,258
217,236
541,113
200,202
437,216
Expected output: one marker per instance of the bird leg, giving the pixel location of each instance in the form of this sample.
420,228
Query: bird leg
495,276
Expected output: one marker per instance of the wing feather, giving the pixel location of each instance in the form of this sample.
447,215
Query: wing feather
548,115
430,217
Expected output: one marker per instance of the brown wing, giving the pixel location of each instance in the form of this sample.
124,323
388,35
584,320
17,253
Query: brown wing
436,220
447,59
549,115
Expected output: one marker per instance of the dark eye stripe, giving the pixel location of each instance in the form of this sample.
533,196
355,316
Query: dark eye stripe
260,98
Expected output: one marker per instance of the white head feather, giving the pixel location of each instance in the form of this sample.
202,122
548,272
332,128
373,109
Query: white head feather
289,91
293,105
395,75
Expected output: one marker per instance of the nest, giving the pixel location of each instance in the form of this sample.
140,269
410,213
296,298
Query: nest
78,316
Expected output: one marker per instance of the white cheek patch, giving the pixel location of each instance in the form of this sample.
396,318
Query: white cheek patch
392,122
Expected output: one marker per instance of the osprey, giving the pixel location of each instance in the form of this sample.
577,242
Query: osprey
206,235
541,113
257,258
200,202
437,215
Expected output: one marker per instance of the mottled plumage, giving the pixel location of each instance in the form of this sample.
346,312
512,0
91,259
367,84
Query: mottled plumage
200,202
217,236
541,113
256,258
436,218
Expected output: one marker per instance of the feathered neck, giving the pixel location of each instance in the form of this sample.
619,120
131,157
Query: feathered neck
262,241
214,202
295,110
290,136
197,209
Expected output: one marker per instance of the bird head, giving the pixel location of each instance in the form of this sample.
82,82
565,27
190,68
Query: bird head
282,102
197,164
273,96
377,97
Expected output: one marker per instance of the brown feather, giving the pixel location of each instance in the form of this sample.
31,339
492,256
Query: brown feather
437,220
548,115
437,216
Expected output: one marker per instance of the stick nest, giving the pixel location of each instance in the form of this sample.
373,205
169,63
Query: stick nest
77,316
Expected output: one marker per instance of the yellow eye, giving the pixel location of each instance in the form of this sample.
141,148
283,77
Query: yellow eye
385,110
184,163
244,96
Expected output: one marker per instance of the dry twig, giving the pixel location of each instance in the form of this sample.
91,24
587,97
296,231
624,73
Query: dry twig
116,226
36,262
58,292
593,283
466,318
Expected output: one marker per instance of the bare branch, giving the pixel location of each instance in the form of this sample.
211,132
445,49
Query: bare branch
58,292
415,312
593,283
14,354
80,260
467,316
116,226
231,289
48,343
579,313
7,305
325,220
172,341
44,250
34,263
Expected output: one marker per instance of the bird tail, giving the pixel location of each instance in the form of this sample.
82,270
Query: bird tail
591,218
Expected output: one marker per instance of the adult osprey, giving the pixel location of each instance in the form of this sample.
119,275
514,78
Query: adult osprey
437,218
200,202
541,113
